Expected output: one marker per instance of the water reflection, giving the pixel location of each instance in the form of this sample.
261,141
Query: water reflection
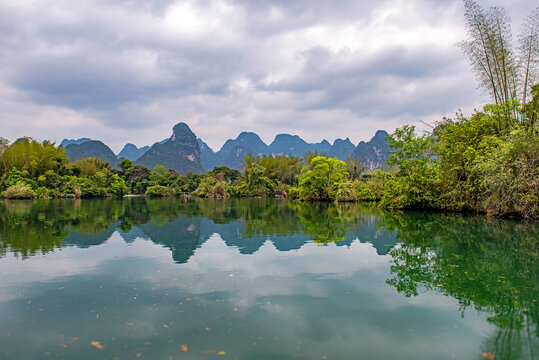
28,228
489,268
487,264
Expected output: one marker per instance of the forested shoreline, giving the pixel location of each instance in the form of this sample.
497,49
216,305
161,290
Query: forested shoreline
486,163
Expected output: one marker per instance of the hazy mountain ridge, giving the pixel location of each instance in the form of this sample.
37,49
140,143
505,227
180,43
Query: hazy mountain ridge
66,142
184,152
132,152
374,153
91,148
180,153
341,149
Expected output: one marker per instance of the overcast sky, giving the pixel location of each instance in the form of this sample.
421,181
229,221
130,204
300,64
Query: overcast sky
128,70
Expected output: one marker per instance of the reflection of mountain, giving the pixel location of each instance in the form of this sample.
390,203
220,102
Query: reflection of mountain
84,240
182,227
381,239
487,264
181,236
133,234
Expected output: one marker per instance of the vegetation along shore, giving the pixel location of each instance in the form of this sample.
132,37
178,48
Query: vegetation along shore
487,162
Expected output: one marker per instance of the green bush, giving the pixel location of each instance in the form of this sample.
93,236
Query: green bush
323,179
19,191
43,193
159,191
365,194
346,191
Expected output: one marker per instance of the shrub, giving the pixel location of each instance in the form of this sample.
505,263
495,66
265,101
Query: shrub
220,190
19,191
346,192
365,194
159,191
42,193
293,192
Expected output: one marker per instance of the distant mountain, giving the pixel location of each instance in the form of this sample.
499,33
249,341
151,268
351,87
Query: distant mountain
285,144
374,153
322,147
91,148
207,155
341,149
181,152
132,152
66,142
233,151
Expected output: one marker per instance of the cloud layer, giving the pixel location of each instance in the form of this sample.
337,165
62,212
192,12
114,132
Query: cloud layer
128,70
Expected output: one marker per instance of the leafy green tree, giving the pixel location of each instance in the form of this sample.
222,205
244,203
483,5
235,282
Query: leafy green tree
125,165
159,191
416,185
323,179
355,168
488,167
163,177
89,166
285,169
33,158
308,157
504,73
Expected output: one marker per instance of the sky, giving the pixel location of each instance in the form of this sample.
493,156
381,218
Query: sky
128,70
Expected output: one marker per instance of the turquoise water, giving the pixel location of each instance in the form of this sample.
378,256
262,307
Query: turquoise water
262,279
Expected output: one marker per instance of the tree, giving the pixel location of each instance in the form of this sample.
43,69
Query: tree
355,168
323,179
410,150
528,46
416,185
91,165
505,74
4,144
31,157
125,165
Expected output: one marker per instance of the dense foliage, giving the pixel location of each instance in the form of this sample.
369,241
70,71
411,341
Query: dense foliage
487,163
30,169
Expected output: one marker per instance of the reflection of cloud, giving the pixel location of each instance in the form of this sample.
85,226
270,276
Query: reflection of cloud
317,300
72,261
269,67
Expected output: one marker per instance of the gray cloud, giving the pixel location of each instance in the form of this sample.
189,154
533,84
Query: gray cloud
127,70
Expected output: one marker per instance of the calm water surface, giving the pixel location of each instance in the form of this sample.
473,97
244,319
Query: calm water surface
262,279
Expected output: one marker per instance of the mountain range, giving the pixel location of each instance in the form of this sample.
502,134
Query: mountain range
91,148
184,152
181,152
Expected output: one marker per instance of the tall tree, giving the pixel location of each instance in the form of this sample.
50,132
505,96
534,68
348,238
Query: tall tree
507,75
528,47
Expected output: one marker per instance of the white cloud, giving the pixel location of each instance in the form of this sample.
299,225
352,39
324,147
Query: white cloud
127,71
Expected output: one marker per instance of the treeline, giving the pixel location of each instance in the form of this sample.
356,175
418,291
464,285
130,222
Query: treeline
487,163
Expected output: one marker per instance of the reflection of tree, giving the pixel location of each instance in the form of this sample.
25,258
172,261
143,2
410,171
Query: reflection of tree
19,233
31,227
329,222
321,222
264,217
488,263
